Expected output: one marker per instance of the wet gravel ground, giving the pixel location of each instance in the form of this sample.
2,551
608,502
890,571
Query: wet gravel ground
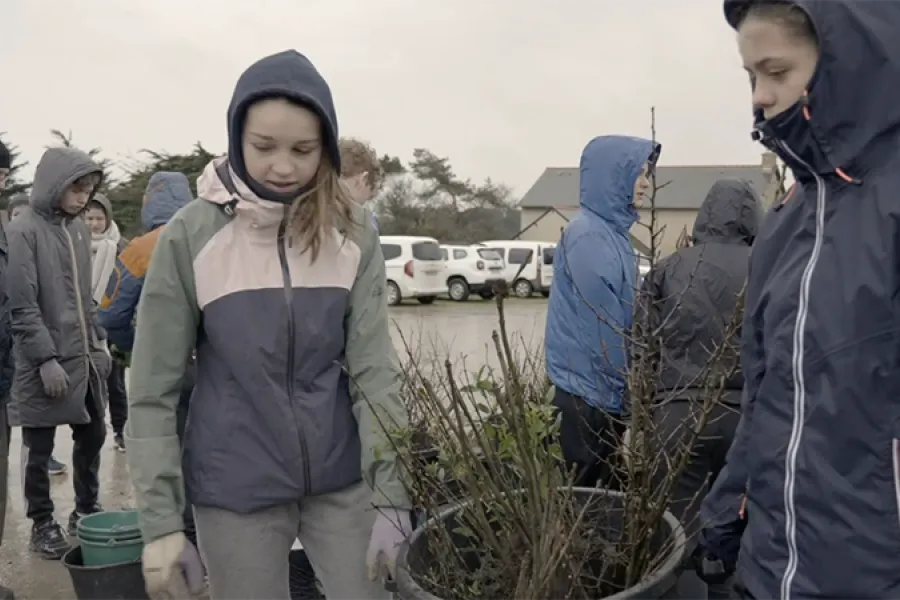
446,328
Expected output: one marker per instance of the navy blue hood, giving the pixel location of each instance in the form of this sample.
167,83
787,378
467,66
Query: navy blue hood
730,214
610,166
827,129
166,193
288,75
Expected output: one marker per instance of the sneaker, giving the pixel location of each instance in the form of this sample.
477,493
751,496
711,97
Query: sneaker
6,593
119,441
48,540
76,516
54,467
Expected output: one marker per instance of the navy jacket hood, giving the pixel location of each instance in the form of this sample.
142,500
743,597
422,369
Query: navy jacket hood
859,58
289,75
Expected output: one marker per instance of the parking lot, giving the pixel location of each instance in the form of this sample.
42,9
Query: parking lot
463,329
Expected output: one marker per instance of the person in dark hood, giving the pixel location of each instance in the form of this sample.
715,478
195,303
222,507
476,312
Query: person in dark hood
275,277
595,275
16,207
167,193
817,453
61,363
690,303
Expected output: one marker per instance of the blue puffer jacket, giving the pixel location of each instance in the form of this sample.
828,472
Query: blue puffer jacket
818,450
595,275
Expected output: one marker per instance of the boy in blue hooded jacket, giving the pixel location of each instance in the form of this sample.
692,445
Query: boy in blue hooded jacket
591,304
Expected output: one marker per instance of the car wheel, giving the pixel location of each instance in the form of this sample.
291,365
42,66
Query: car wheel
523,288
393,294
458,289
426,299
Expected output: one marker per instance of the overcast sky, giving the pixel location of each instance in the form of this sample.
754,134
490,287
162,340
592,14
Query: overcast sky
502,87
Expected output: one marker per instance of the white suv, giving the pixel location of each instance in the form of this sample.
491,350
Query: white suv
414,268
471,270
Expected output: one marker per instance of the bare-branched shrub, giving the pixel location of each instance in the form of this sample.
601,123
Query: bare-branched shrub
481,459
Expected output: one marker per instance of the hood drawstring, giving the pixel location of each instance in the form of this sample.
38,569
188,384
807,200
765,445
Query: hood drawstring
225,177
804,99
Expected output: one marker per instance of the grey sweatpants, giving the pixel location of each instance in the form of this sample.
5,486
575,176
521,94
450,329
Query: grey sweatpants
246,556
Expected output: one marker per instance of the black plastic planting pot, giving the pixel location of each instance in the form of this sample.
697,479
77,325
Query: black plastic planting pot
415,556
123,581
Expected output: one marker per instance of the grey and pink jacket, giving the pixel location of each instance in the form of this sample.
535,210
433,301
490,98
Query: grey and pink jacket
297,378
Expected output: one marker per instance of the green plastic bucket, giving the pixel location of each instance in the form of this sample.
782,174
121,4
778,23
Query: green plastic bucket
101,537
111,552
110,538
113,524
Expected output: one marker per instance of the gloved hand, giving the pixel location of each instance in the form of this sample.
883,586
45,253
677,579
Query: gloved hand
710,568
54,378
171,564
391,529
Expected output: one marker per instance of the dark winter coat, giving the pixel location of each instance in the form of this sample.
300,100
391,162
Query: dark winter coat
6,365
51,310
690,298
818,449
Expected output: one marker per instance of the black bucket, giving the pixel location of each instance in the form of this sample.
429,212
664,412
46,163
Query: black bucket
124,581
415,556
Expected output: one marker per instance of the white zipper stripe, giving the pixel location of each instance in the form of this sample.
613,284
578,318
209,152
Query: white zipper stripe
895,446
790,461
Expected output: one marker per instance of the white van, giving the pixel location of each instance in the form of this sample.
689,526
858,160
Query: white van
548,252
471,270
536,274
415,268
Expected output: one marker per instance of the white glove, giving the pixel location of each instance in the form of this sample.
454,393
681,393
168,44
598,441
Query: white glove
391,529
172,565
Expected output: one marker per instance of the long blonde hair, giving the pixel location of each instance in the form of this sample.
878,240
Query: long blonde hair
325,207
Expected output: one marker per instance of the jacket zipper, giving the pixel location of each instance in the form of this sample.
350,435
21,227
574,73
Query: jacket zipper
89,362
790,513
289,304
895,457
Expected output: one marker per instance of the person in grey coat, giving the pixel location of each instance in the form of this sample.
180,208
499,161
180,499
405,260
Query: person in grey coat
61,364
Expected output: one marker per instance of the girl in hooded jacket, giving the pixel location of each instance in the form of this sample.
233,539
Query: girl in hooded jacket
815,464
276,277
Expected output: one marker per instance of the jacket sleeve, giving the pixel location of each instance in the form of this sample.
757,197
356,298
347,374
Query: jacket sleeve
32,338
167,320
120,302
375,379
6,370
598,299
721,509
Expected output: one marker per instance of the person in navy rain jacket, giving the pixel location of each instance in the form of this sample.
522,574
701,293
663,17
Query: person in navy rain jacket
817,451
591,304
